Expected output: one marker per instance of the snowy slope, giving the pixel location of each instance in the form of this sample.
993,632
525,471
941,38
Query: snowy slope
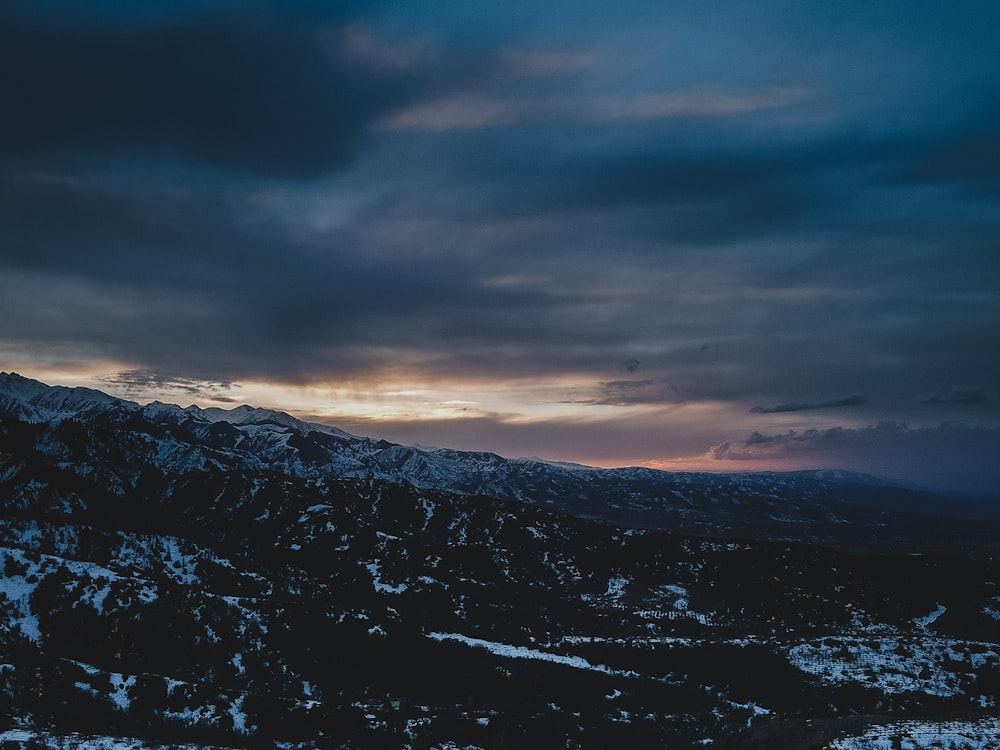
36,402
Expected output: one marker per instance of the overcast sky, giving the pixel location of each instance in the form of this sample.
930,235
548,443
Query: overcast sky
723,235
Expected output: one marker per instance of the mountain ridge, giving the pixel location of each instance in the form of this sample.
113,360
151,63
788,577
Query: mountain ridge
36,394
825,506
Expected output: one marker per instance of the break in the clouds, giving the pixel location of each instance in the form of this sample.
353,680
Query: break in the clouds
405,220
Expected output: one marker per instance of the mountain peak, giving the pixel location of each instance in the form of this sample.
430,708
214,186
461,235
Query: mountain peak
255,415
36,401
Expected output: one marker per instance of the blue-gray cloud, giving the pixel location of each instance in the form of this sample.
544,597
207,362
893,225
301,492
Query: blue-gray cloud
254,91
141,382
632,392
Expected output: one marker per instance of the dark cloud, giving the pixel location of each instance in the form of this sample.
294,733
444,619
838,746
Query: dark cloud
758,182
706,185
968,153
141,382
959,394
626,392
675,183
251,91
634,393
856,400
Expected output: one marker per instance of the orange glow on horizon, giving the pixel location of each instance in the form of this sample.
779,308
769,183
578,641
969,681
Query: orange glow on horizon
507,407
707,463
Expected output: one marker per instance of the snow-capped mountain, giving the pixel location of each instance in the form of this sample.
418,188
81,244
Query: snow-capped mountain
35,401
840,508
173,578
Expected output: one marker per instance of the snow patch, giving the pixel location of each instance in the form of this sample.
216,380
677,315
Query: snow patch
993,612
428,507
926,620
120,684
380,587
616,586
920,735
238,716
523,652
895,665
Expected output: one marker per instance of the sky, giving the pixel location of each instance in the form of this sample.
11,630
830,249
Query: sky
716,235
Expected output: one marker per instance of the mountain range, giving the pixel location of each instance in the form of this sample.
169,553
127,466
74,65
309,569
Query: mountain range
186,577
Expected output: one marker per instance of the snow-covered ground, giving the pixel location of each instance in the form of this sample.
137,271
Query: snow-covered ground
523,652
936,666
27,738
22,573
917,735
929,619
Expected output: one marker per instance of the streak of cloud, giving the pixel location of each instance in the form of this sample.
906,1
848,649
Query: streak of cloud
138,383
855,400
474,111
959,394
